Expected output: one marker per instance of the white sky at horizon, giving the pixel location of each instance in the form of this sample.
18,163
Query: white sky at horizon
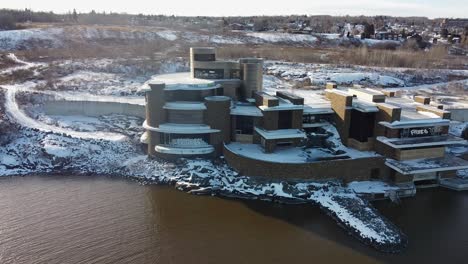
428,8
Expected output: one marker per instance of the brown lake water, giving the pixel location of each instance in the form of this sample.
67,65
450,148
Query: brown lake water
80,219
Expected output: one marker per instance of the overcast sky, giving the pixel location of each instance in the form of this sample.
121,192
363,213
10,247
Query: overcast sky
429,8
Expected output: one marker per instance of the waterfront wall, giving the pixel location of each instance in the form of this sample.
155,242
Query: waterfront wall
92,108
346,170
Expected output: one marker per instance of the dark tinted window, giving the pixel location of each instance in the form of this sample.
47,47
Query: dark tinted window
209,74
204,57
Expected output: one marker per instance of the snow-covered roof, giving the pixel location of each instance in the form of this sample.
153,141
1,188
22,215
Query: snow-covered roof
256,152
366,94
317,124
181,128
416,123
371,187
308,109
185,105
246,110
283,105
180,81
413,114
280,133
430,141
364,106
446,163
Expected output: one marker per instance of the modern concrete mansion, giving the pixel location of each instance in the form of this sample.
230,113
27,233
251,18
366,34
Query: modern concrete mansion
220,109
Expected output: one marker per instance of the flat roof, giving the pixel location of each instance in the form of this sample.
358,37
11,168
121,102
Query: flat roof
413,114
416,123
317,124
447,163
181,81
308,109
364,106
184,105
283,105
181,128
280,133
400,143
367,91
246,110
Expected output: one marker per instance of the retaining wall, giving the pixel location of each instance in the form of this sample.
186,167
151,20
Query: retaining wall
346,170
92,108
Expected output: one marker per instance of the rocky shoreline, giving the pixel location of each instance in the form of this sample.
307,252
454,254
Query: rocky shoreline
202,177
34,147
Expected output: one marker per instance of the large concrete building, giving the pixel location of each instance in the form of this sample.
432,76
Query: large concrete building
221,109
219,102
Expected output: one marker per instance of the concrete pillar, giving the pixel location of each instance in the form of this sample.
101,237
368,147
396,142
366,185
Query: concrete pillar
252,76
218,116
155,114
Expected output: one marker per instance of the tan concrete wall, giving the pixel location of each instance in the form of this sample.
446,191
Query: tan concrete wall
199,50
341,106
362,146
331,85
387,113
384,150
422,99
442,113
400,178
408,154
346,170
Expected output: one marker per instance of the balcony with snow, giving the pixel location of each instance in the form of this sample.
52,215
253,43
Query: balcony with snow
185,145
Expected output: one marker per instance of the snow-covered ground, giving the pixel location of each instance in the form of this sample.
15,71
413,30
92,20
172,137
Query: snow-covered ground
273,37
108,145
53,37
319,74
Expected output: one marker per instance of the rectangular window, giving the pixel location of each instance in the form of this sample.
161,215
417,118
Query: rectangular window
307,119
284,143
284,119
235,74
209,73
204,57
244,124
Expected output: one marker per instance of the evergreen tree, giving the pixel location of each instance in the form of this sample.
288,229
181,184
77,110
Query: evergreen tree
75,15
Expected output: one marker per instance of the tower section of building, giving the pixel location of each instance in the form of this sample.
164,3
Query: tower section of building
252,76
178,119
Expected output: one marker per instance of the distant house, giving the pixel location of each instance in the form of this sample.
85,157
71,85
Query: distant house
387,35
450,23
237,26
